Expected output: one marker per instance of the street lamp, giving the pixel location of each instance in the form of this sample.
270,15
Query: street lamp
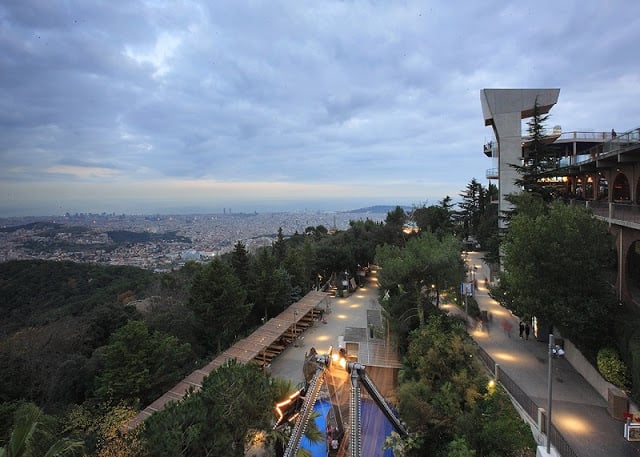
295,334
553,351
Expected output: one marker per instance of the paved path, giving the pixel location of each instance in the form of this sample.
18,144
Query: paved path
578,412
345,312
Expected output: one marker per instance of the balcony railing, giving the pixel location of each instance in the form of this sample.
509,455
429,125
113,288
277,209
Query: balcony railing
490,149
618,144
627,214
492,173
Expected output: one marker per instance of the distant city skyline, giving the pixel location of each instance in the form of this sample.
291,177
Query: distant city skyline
243,207
155,107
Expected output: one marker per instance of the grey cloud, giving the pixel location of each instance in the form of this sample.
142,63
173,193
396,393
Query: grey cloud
288,91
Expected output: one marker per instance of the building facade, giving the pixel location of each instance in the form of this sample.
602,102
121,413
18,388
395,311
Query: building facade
600,170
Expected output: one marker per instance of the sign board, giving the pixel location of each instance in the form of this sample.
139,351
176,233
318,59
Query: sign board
466,288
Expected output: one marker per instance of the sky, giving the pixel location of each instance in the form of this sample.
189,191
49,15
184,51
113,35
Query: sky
181,106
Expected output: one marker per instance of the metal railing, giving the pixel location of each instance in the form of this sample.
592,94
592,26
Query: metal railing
492,173
526,403
623,142
624,212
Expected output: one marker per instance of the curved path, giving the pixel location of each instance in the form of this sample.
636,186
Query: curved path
579,412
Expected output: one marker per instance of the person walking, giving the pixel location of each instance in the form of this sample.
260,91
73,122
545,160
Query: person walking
521,329
507,327
527,330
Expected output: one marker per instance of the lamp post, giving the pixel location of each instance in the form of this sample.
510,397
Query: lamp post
552,351
549,392
295,333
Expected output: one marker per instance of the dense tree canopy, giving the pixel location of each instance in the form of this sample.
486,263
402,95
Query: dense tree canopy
269,285
140,364
538,158
33,435
553,263
216,292
447,402
426,264
234,402
240,262
437,219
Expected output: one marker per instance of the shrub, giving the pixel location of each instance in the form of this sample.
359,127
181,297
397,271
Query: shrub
612,368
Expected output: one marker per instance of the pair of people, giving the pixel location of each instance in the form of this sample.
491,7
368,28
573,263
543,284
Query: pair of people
524,330
332,438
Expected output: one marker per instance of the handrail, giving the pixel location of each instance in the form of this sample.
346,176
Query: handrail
527,404
611,211
616,144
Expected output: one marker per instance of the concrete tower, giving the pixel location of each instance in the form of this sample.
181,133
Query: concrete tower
504,109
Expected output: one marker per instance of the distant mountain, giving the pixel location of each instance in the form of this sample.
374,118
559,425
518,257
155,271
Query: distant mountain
379,209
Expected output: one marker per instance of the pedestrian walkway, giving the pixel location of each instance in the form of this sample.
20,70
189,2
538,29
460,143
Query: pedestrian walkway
578,411
351,315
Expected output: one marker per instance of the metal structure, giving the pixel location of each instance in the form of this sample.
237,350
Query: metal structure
358,378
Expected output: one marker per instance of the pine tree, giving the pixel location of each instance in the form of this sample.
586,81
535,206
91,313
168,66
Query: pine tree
219,303
538,157
471,207
279,247
240,262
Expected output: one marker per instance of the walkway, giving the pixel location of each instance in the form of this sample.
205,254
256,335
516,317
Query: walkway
348,320
579,412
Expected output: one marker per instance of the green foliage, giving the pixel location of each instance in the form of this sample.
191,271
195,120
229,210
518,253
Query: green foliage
32,435
445,400
436,219
494,429
100,426
612,368
472,207
538,158
546,258
299,267
459,448
440,381
140,364
478,216
240,262
409,273
279,247
44,365
393,227
235,401
219,303
473,309
36,292
269,285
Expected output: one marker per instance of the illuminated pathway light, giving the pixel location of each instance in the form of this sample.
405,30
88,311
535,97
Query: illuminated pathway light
506,357
573,423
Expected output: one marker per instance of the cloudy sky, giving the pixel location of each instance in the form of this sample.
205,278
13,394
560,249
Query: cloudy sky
180,105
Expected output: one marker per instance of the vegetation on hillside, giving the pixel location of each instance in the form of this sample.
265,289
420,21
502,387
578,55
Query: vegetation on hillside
91,345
